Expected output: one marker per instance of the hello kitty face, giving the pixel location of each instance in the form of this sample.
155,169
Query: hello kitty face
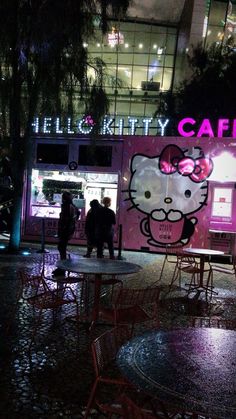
164,192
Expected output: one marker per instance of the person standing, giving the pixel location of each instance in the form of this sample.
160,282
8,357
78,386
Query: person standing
66,226
92,226
106,228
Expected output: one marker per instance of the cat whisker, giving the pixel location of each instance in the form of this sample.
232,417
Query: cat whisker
133,206
129,190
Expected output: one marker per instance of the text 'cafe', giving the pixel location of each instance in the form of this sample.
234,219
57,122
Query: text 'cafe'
165,190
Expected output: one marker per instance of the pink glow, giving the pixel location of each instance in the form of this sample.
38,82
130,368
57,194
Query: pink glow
181,124
234,128
223,125
205,129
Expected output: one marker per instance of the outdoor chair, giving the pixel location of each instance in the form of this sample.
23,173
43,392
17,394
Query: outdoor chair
229,269
189,265
132,306
107,377
69,278
172,253
29,284
215,322
43,298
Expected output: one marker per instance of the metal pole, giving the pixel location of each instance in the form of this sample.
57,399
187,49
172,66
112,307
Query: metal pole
43,250
120,243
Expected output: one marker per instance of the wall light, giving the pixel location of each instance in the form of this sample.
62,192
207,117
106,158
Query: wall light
224,168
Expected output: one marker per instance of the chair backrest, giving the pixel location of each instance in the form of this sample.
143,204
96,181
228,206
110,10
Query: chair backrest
106,346
137,296
30,284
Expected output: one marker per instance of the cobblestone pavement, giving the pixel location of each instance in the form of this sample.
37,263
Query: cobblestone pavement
54,379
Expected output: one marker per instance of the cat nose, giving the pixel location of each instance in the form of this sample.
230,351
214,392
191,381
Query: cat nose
168,200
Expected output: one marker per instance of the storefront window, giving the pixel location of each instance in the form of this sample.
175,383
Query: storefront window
52,153
95,156
47,188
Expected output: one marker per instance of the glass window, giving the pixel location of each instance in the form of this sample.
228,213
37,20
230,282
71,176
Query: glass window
141,59
139,75
52,153
125,57
170,44
169,60
167,78
125,75
95,155
217,13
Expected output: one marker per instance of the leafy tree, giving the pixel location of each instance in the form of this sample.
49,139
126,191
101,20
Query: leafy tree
42,56
211,91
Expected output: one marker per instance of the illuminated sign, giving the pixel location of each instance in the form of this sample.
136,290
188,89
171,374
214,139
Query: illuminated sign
186,127
115,37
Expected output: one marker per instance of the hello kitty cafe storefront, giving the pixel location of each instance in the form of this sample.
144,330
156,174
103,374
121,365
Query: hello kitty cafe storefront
164,190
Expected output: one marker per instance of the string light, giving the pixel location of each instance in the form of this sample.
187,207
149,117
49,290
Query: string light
146,123
106,129
47,123
58,130
121,126
163,126
82,129
35,125
132,123
69,130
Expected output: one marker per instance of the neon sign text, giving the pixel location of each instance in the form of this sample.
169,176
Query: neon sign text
49,125
186,127
224,125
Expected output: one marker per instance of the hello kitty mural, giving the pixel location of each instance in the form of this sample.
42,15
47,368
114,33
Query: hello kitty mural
169,189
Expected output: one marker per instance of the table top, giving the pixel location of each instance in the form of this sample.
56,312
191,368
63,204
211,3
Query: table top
98,266
207,252
193,369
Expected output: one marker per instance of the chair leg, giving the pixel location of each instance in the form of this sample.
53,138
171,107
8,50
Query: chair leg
162,268
176,276
91,400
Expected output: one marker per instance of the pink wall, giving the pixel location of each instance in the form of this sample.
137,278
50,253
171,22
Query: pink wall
166,192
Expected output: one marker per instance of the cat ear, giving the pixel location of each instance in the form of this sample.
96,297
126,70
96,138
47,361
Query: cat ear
137,160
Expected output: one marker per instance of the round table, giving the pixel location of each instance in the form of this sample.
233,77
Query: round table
190,369
99,268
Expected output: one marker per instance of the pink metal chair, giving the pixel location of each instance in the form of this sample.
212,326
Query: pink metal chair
41,297
104,350
131,306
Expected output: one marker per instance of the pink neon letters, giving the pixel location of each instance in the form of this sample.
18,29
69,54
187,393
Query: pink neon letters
223,125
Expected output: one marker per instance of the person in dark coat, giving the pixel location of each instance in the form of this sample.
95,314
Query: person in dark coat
107,221
66,227
92,226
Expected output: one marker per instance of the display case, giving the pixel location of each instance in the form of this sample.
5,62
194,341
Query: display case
222,224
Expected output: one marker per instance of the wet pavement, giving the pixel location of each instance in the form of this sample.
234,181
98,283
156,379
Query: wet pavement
54,378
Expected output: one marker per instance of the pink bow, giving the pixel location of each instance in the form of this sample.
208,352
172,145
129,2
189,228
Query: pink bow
172,159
